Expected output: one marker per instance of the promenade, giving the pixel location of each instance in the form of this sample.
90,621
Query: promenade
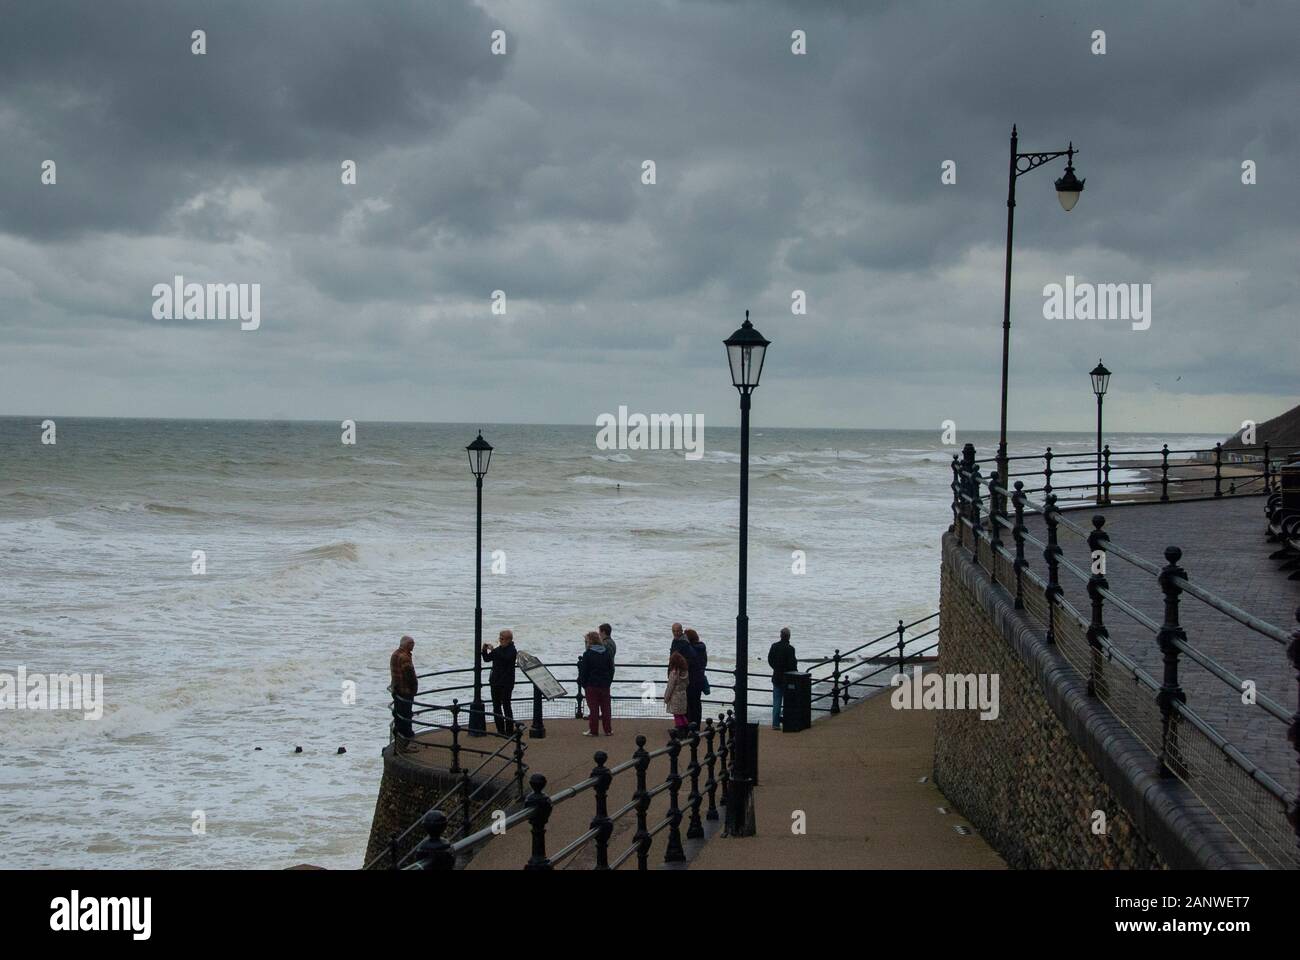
861,780
1225,551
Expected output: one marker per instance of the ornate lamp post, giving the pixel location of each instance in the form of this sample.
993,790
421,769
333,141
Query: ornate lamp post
746,349
1068,189
1100,381
480,455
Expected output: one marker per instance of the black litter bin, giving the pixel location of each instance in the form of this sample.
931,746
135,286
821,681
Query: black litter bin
796,703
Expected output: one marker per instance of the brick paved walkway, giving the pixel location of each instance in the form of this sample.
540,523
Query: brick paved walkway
1224,551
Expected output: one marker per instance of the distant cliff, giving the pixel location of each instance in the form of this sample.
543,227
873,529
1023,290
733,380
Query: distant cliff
1281,431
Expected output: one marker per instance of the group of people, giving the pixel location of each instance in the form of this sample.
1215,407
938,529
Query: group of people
688,681
687,685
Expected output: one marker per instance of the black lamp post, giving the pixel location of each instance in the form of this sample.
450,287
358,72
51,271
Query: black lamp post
746,349
480,455
1100,381
1068,189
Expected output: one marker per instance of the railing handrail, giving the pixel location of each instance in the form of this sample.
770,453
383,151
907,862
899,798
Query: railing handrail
1250,823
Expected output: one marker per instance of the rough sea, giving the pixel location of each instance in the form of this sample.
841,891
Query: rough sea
320,555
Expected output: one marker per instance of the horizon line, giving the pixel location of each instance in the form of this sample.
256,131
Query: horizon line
539,423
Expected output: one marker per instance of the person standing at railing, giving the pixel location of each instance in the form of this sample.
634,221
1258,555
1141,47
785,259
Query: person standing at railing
607,638
405,685
675,694
782,659
502,680
699,683
595,675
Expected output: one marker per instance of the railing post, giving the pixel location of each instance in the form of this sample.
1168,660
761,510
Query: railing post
710,761
956,497
1171,632
455,737
1218,469
538,730
1164,473
538,805
434,853
724,752
964,474
1052,555
901,659
846,684
1018,534
641,838
577,697
464,804
995,532
1097,582
1268,483
518,758
1047,472
1105,473
695,829
835,684
1293,733
975,502
673,852
601,822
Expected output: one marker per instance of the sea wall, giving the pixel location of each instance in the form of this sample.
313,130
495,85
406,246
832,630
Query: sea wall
407,790
1033,779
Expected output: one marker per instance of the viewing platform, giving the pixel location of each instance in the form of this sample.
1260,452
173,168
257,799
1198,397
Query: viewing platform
858,783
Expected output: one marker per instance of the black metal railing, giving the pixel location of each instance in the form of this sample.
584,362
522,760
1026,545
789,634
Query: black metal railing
638,686
1202,472
1258,810
438,852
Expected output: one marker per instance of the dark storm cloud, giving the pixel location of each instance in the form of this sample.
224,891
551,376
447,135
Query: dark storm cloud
522,173
137,122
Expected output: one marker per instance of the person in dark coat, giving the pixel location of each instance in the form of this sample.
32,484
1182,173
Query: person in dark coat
502,680
595,675
699,680
681,644
782,659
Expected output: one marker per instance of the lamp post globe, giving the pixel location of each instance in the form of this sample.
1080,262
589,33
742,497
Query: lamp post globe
1069,186
480,457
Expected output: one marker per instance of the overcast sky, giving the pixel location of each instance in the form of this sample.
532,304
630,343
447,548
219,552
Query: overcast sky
522,173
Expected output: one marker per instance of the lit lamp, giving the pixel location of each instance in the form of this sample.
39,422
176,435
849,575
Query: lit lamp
480,455
746,349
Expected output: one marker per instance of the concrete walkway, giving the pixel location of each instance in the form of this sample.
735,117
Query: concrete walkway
856,777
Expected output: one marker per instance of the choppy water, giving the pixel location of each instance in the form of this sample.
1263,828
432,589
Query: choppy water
320,555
